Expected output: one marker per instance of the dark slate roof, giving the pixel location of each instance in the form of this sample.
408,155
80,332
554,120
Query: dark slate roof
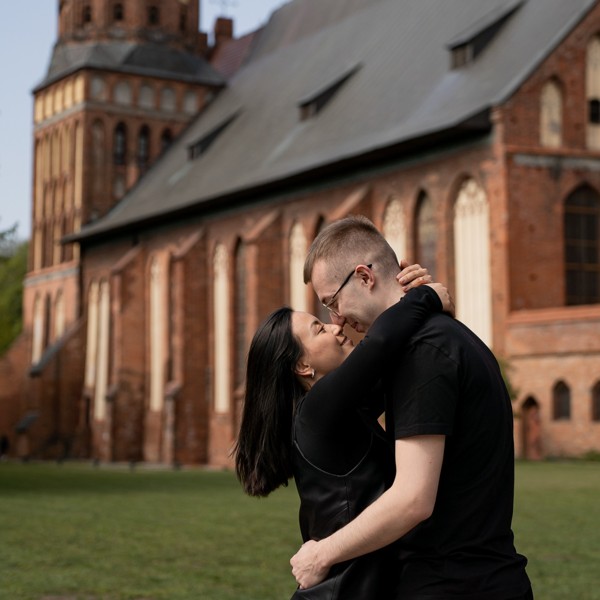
402,89
150,59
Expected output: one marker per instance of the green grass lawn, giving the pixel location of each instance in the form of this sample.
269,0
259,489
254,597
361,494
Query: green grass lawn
79,532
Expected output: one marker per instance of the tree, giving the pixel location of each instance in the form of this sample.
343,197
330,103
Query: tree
13,267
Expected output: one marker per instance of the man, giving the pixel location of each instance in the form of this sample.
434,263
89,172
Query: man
449,412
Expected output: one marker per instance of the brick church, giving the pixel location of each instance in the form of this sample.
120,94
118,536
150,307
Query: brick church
178,183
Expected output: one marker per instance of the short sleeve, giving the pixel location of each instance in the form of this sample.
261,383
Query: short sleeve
424,393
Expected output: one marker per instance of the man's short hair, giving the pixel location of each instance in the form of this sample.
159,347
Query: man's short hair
352,240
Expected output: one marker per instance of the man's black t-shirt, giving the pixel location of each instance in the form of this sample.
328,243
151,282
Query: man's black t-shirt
448,383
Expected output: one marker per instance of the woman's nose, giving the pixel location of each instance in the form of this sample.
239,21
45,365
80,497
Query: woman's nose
335,329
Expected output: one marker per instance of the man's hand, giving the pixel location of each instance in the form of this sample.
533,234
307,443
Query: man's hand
305,567
412,276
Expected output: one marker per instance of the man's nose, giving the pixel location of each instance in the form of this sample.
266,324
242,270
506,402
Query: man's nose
337,320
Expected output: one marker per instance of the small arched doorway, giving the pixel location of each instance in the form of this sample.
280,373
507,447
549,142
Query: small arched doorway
531,429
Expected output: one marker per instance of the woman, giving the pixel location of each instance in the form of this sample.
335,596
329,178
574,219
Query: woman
310,412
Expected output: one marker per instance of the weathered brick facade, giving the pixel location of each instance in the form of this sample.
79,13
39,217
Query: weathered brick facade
225,269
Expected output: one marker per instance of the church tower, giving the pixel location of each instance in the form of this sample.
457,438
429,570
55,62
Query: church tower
124,79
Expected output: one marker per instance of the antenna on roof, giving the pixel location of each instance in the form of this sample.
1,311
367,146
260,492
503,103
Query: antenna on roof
225,4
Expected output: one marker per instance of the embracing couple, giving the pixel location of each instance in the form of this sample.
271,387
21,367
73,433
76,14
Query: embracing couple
422,509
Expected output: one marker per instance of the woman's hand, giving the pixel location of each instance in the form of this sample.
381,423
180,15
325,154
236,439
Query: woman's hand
412,276
445,297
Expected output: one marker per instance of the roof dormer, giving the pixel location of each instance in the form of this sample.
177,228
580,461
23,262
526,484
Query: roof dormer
314,102
467,45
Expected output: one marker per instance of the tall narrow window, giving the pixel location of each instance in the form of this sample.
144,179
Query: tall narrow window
87,14
120,144
593,93
425,234
153,15
146,98
118,12
143,153
183,20
319,310
47,320
221,327
297,256
472,263
165,139
158,315
59,315
98,157
38,330
551,115
91,350
103,352
394,228
122,93
167,100
561,402
596,402
582,247
240,313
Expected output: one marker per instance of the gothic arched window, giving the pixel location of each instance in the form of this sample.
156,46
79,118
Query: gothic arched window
143,153
582,247
551,107
120,144
596,402
118,14
165,139
425,234
153,15
561,402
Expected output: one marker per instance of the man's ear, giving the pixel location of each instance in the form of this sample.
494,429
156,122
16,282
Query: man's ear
366,275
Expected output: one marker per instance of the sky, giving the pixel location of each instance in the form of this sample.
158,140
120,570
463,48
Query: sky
28,30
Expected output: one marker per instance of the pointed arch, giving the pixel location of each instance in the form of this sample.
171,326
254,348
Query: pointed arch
143,150
98,160
167,99
582,246
222,398
120,144
472,264
37,344
165,139
122,93
158,324
394,227
103,351
596,402
298,248
147,97
91,352
241,316
593,92
561,401
59,315
551,115
425,233
319,310
531,429
78,171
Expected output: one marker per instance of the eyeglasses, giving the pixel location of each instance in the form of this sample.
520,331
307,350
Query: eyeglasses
328,306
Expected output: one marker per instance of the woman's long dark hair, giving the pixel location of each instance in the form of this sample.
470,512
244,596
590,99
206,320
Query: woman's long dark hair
264,445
